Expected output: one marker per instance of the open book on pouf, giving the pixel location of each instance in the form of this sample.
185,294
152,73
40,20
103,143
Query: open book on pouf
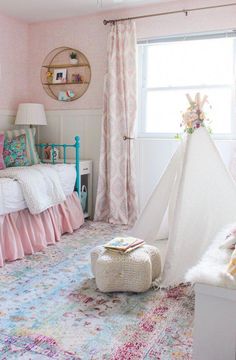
124,244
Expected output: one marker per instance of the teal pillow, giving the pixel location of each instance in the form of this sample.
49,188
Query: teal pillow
31,151
14,152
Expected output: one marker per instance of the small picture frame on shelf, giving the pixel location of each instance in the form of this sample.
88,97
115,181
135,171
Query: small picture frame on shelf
59,76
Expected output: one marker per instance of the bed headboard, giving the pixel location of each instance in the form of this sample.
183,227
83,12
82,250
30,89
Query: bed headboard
64,147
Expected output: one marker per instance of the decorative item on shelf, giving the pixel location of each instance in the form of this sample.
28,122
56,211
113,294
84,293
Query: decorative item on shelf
51,154
70,94
62,96
59,76
73,58
66,95
76,78
49,76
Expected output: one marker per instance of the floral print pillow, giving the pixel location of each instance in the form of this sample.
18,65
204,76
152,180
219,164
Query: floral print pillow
14,152
2,165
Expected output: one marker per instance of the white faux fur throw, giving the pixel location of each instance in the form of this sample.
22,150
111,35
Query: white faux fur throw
40,185
212,268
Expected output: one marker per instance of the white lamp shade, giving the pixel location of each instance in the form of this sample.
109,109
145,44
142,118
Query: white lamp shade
31,114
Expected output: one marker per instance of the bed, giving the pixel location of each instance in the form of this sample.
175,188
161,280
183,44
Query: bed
11,195
23,232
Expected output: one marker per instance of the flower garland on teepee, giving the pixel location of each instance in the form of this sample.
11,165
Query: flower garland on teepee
194,117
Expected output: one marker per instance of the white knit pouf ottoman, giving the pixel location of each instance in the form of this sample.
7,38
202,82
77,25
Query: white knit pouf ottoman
133,271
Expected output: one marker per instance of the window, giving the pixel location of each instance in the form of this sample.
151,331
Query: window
170,68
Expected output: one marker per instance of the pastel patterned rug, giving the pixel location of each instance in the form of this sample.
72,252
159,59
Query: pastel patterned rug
50,308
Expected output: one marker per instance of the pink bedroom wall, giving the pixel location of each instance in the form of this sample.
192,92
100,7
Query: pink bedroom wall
89,35
14,65
23,47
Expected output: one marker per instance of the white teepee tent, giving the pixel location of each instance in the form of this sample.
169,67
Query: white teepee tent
200,196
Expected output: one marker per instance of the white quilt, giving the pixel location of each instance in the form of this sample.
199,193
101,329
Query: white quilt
40,185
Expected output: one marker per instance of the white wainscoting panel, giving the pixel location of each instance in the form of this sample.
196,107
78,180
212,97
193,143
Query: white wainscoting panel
64,125
152,154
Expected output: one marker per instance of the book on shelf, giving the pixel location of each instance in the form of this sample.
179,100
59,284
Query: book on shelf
124,244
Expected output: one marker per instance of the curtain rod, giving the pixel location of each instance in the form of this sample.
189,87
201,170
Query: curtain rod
185,11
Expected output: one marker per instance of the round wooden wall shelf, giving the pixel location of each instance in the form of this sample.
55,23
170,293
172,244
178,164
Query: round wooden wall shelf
65,79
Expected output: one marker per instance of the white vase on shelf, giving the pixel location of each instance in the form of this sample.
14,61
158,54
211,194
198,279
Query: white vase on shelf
74,61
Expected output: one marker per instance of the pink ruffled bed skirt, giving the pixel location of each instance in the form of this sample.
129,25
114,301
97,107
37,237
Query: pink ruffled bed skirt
22,233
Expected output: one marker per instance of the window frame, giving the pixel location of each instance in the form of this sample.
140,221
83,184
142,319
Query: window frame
143,89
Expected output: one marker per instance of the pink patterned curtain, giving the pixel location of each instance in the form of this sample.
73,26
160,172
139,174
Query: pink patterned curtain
116,196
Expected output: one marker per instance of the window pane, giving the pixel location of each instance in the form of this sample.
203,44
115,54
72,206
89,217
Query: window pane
163,110
197,62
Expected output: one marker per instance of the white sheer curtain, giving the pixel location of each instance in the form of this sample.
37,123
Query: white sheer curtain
116,196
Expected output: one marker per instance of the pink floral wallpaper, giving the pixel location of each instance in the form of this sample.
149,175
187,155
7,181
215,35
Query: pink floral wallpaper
23,47
14,62
89,35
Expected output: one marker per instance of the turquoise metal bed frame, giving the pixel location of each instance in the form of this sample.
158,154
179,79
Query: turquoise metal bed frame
76,146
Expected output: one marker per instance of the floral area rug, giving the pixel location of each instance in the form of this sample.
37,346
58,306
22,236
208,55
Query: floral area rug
50,309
